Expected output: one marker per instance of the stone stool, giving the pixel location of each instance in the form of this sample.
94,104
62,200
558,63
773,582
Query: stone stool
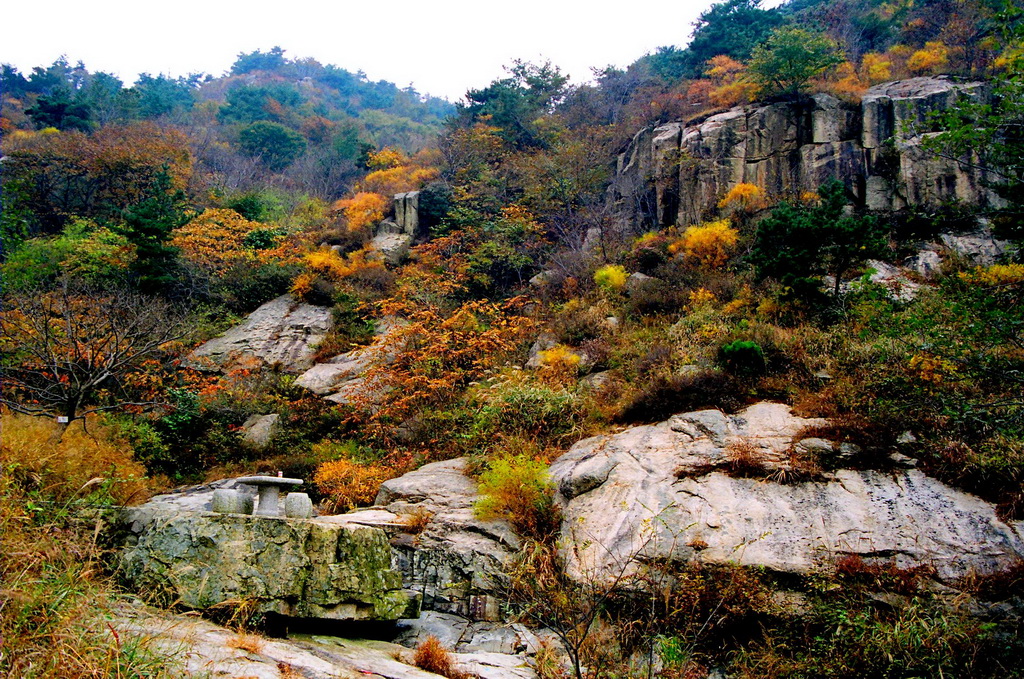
232,501
298,506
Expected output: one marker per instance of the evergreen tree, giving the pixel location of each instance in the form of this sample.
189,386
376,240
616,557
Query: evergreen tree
148,225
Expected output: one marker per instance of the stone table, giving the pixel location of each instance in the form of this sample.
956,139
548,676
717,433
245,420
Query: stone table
269,488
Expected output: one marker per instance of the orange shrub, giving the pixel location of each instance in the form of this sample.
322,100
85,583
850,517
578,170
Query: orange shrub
363,210
432,656
347,484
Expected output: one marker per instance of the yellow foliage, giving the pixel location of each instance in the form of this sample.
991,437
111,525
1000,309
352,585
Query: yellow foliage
611,277
997,274
333,266
399,179
875,68
931,368
932,59
348,484
701,297
810,198
730,87
78,464
708,245
847,84
303,285
559,364
362,210
386,158
744,197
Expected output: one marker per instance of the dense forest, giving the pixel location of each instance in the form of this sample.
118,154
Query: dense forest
141,220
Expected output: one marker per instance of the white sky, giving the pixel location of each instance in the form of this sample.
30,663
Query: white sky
442,47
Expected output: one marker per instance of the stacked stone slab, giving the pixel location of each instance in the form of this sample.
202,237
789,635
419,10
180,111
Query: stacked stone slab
393,239
295,567
677,173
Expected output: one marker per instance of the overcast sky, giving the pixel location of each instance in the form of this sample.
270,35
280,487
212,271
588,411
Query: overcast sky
442,47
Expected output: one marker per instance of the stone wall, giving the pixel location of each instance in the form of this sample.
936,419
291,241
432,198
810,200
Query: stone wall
677,173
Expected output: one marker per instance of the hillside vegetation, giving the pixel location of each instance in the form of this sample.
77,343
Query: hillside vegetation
141,221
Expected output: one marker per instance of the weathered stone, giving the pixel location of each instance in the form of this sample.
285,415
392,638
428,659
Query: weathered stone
544,342
341,378
282,333
790,147
393,247
293,567
650,492
981,247
259,429
190,646
407,212
230,501
457,557
298,506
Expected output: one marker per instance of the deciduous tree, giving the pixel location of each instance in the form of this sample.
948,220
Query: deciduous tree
67,352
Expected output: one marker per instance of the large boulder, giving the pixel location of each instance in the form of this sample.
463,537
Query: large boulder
659,491
295,567
281,334
457,561
787,148
342,378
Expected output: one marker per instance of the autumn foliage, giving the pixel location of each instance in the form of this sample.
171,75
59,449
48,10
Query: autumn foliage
707,245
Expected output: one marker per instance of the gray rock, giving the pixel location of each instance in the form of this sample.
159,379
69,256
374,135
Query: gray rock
786,149
981,247
298,506
230,501
393,247
650,492
544,342
598,381
294,567
259,429
407,212
341,378
457,562
638,281
282,333
190,646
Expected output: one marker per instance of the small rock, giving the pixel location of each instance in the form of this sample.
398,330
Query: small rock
906,438
638,281
259,429
544,342
903,461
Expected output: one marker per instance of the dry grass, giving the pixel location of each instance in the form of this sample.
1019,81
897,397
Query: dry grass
416,521
88,456
250,643
54,593
432,656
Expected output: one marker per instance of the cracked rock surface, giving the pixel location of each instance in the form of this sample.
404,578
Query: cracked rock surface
658,491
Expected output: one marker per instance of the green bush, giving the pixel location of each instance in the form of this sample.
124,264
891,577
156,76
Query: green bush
517,488
742,357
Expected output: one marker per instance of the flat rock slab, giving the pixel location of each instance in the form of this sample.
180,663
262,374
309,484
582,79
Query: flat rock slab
295,567
283,333
196,647
640,493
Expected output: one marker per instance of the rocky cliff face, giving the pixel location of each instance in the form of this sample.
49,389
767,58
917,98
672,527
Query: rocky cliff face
677,173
